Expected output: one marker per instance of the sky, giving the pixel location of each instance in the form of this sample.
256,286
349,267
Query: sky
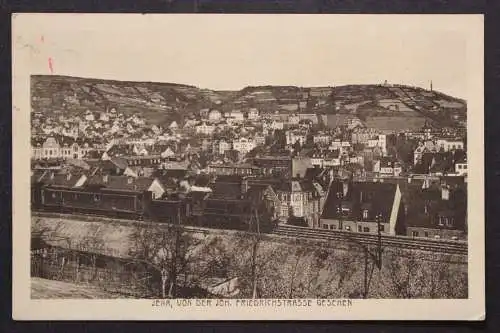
228,52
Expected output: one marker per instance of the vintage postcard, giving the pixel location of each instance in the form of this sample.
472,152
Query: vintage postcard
248,167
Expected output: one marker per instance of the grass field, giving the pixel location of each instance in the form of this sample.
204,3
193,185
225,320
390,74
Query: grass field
395,123
50,289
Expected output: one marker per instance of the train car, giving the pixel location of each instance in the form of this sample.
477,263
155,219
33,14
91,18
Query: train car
238,214
124,204
167,211
227,213
243,213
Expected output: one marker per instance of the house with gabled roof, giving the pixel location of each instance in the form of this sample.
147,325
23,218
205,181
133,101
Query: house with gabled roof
205,129
437,211
364,207
301,198
214,115
173,126
253,114
387,166
461,167
190,123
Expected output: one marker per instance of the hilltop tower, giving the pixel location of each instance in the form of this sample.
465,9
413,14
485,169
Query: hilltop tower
332,96
431,85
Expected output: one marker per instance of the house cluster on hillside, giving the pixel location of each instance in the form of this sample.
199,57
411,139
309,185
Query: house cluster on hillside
347,177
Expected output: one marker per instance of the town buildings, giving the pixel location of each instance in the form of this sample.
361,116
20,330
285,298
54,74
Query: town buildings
366,207
276,153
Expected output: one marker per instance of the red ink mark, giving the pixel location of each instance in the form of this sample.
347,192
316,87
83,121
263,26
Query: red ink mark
51,68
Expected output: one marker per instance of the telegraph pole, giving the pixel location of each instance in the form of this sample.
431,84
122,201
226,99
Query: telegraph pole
376,257
379,241
365,284
173,282
255,249
339,210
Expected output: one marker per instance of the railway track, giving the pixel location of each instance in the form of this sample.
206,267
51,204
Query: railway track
441,246
284,230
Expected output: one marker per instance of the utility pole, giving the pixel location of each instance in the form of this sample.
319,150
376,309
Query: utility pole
365,284
339,210
379,241
173,277
255,249
376,257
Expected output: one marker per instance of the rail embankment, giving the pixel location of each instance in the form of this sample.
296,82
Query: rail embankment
277,266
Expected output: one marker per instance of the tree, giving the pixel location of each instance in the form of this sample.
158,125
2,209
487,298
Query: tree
255,262
168,251
414,274
212,261
43,234
300,254
405,149
325,272
67,248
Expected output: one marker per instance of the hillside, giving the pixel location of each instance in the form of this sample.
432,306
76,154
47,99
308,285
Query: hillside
161,102
50,289
288,268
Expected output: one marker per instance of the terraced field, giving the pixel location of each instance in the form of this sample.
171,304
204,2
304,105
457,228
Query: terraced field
174,101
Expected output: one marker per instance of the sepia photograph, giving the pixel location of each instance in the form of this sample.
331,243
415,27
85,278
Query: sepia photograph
248,164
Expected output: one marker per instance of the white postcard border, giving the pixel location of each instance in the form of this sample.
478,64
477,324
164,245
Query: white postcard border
25,308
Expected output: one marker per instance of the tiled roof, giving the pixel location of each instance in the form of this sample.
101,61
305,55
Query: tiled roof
313,173
38,175
78,163
61,179
121,183
380,197
226,190
121,150
120,163
426,206
160,148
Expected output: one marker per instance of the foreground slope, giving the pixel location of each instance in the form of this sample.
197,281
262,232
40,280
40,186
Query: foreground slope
286,268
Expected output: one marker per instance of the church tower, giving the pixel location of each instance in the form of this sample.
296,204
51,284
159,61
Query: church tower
431,85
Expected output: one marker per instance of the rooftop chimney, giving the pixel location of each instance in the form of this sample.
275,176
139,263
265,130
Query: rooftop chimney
105,178
345,188
244,186
68,176
445,193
